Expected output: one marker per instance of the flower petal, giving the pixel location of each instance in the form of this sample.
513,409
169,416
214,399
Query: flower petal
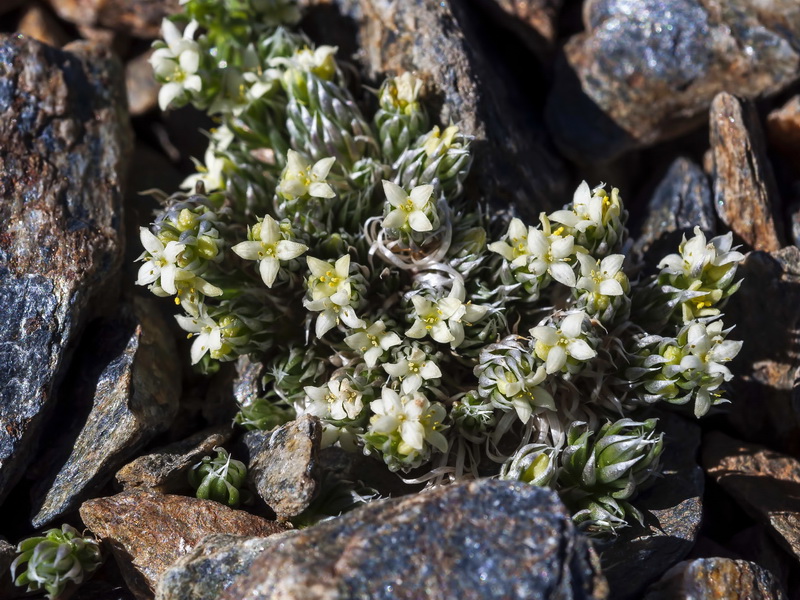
150,242
420,195
322,167
580,350
248,250
419,221
287,250
394,220
319,189
572,324
563,274
269,268
395,195
556,359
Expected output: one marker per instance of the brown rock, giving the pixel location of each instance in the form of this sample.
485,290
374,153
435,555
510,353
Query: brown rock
745,193
783,131
64,145
38,23
716,579
763,482
757,545
141,85
165,470
442,42
147,531
140,18
535,22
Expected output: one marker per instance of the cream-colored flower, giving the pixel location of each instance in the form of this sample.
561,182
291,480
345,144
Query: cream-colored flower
372,342
269,249
413,370
410,211
330,280
554,345
301,178
515,248
601,278
207,334
412,418
336,400
443,319
178,63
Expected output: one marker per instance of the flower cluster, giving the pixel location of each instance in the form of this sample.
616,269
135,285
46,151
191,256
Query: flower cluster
338,250
219,478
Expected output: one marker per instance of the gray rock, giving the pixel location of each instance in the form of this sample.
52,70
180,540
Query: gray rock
765,404
214,564
479,539
165,469
282,465
248,386
681,201
745,193
8,553
757,545
713,578
129,377
64,135
673,510
443,43
647,70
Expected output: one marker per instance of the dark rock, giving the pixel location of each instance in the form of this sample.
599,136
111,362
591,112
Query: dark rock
282,465
794,216
128,378
716,578
8,553
672,510
681,201
766,312
38,23
141,85
165,470
764,483
745,193
479,539
443,43
248,385
757,545
140,18
147,531
214,564
783,131
534,22
104,584
647,70
64,139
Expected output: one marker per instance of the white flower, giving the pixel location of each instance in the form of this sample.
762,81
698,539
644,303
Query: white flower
413,370
207,334
300,178
269,249
515,249
409,209
601,277
442,319
696,255
331,314
410,416
209,172
330,281
320,61
372,342
554,345
177,64
160,261
551,253
335,400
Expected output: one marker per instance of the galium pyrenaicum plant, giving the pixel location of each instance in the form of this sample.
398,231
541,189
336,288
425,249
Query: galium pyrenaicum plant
339,250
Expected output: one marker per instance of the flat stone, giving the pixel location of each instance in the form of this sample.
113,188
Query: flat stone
681,201
534,22
716,578
39,23
647,70
443,43
672,508
128,377
141,85
165,469
212,567
763,482
481,539
147,531
764,395
745,193
282,465
140,18
65,136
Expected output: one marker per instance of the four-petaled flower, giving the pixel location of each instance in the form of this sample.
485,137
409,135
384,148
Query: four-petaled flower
410,211
160,261
601,278
413,370
336,400
177,63
443,319
412,417
515,249
555,345
301,178
330,280
207,334
268,247
372,342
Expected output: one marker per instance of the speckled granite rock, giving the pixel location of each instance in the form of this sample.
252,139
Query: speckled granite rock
647,70
716,579
442,42
64,139
745,193
147,531
763,482
765,394
475,540
282,465
214,564
140,18
681,201
673,511
534,22
165,469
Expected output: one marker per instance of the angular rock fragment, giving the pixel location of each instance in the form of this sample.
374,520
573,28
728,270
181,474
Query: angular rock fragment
715,578
140,18
64,140
165,469
282,465
745,193
757,545
672,510
128,380
442,43
212,566
147,531
475,540
763,482
647,70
